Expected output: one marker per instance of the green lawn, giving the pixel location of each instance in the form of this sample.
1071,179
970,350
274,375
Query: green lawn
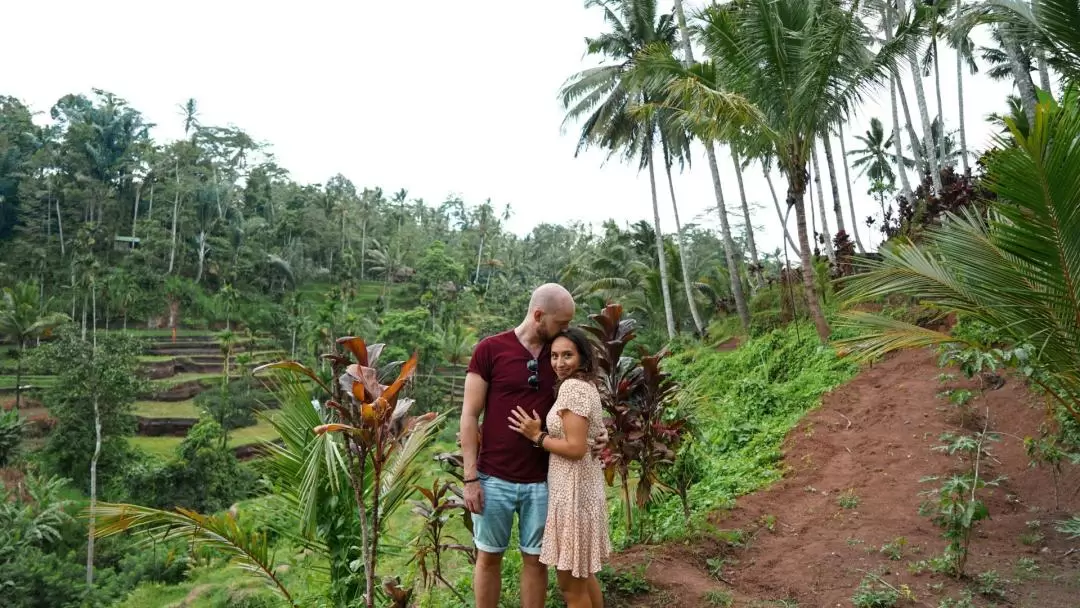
165,383
167,409
165,447
8,381
156,358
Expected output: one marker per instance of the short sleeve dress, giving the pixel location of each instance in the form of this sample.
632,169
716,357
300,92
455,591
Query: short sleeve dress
576,532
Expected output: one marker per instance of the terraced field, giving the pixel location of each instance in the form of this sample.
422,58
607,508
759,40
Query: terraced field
179,370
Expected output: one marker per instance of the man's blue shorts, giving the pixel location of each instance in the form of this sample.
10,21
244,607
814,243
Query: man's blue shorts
502,499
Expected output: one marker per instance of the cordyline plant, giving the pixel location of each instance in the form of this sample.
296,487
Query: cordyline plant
636,397
371,421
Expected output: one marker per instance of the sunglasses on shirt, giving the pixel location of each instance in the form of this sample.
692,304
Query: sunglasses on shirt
534,379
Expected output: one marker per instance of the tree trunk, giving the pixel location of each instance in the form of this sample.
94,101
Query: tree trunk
825,232
203,248
150,203
683,257
710,150
838,208
729,243
175,213
898,148
850,196
93,462
779,214
924,114
363,248
750,244
940,109
665,289
480,253
135,214
960,101
60,226
796,191
1021,74
18,374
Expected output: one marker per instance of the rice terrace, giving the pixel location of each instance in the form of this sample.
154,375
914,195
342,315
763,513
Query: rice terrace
833,323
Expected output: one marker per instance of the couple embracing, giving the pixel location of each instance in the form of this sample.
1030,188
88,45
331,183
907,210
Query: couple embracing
536,455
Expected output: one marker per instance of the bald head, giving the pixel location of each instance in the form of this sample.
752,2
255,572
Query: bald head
551,308
551,297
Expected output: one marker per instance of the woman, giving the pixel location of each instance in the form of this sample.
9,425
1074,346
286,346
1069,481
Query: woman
576,533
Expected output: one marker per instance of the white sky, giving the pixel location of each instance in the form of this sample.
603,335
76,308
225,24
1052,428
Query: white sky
458,98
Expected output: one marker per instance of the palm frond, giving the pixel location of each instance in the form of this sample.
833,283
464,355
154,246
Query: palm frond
248,550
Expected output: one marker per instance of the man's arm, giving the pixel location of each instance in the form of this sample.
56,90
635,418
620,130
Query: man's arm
475,400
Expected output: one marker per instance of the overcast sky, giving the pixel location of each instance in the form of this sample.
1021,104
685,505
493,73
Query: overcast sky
436,97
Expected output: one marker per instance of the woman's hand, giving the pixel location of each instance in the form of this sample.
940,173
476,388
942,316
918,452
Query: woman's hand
525,424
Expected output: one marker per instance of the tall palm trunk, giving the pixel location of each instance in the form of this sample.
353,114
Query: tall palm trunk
175,213
18,374
1040,55
1021,72
665,288
750,244
94,458
960,101
924,114
850,196
898,147
684,258
825,232
779,213
838,208
729,243
940,107
725,228
795,197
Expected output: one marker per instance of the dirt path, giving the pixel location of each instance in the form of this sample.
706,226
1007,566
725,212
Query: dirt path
867,447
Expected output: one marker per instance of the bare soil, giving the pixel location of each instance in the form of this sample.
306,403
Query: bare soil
871,442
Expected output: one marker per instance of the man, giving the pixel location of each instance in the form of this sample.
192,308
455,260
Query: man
504,473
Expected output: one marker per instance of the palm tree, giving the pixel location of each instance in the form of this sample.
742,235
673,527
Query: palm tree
606,94
721,206
874,160
1014,268
783,58
920,100
847,180
825,232
676,145
23,317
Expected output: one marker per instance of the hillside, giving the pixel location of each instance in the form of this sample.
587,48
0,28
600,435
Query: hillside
868,446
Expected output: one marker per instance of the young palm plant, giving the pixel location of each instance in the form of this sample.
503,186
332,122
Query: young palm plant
342,468
1016,268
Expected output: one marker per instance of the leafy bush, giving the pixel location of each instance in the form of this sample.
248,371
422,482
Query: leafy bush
11,434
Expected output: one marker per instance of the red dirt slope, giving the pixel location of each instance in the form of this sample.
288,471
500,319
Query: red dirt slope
873,439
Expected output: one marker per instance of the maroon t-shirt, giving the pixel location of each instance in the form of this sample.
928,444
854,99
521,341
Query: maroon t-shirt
503,363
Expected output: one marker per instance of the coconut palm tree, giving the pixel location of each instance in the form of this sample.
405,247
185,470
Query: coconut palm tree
718,190
671,134
800,65
24,317
605,96
1015,268
920,100
874,160
847,180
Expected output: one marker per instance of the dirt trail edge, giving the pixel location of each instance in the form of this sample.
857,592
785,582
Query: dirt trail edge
852,485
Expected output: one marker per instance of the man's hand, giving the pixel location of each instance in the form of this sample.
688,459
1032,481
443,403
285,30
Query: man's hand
474,497
600,444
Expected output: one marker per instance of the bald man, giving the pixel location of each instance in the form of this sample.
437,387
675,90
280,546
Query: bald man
505,474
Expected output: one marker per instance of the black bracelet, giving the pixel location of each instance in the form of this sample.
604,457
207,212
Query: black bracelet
473,480
540,440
